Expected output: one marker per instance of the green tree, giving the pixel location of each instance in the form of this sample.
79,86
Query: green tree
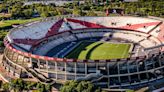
6,87
77,11
48,87
69,86
41,87
28,13
44,14
83,86
17,85
91,13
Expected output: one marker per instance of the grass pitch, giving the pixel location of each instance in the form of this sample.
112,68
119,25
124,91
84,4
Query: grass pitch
100,50
7,23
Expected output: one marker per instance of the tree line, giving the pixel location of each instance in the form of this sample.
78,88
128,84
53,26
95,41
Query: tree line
19,85
17,9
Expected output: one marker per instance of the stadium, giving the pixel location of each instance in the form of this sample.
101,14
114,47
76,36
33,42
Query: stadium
112,52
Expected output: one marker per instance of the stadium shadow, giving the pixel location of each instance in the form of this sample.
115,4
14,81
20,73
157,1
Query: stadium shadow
91,50
75,53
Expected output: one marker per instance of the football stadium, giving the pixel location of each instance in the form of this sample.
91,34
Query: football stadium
111,52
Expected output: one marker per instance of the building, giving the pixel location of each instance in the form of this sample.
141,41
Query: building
26,56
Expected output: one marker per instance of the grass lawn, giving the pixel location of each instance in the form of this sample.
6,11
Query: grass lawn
18,21
100,50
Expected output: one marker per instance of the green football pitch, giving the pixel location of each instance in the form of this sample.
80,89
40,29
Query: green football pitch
99,50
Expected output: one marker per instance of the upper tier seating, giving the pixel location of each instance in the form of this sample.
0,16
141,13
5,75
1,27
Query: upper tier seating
147,43
161,33
130,37
64,27
76,25
33,31
37,30
155,32
140,24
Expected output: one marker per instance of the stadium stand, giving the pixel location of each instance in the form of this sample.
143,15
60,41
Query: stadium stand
28,49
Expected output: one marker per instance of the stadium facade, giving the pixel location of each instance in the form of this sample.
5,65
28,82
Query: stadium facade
27,46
